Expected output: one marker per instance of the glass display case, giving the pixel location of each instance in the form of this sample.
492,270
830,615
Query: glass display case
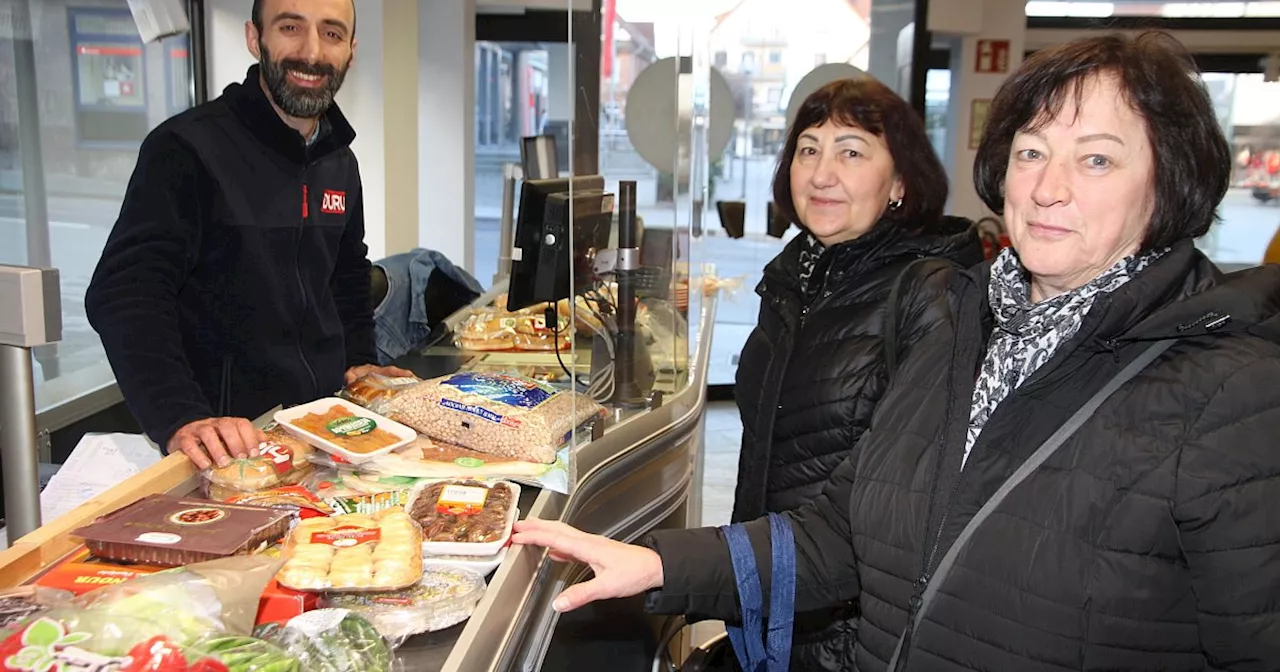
591,296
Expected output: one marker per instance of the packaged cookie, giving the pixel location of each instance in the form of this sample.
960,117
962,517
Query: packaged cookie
374,390
469,518
282,460
353,552
486,332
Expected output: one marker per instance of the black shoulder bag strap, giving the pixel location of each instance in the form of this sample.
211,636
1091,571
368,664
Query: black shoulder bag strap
1046,449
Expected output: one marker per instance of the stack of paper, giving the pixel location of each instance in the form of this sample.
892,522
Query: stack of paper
98,463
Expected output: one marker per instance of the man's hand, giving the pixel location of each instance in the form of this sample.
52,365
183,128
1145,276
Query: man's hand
357,372
216,441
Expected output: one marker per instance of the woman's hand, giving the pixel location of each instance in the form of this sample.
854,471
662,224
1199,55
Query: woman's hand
622,570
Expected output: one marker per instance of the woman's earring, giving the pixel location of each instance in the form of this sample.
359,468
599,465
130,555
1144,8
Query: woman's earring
894,205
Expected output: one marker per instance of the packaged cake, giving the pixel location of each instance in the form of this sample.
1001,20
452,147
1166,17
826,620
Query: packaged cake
173,531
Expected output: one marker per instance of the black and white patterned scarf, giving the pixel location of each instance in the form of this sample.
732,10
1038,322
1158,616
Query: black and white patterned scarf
810,253
1028,334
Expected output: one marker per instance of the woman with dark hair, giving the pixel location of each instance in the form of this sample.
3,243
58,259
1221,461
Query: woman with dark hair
1078,470
858,175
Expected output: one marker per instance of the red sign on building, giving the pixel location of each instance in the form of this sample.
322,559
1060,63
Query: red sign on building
993,56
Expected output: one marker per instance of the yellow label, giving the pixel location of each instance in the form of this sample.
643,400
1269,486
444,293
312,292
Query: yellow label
462,499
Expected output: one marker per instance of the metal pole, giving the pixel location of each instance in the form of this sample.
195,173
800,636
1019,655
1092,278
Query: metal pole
746,136
627,390
506,225
33,194
197,61
35,205
18,442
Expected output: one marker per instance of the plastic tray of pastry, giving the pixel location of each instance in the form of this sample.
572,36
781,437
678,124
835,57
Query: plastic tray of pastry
484,565
340,427
464,517
353,553
443,598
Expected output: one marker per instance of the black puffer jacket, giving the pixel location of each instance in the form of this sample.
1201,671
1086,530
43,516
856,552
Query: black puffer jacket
1147,542
812,372
813,369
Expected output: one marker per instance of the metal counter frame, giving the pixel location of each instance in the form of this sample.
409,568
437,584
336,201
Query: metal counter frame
631,479
638,474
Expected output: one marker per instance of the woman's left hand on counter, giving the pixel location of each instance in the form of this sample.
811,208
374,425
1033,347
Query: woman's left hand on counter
621,570
356,372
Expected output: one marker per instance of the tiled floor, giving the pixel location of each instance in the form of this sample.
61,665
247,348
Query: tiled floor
723,437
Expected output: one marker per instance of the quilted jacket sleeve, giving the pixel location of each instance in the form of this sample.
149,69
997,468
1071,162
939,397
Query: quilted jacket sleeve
924,305
698,574
1228,494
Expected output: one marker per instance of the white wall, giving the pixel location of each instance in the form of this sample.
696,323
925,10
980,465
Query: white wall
228,58
360,99
399,96
979,20
446,128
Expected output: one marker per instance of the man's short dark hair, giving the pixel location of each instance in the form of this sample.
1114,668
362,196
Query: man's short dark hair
866,103
257,17
1158,78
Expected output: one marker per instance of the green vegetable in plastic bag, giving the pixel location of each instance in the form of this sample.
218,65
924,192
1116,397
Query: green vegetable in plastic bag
332,640
247,654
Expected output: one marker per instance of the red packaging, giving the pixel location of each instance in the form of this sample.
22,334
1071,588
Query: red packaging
81,573
279,604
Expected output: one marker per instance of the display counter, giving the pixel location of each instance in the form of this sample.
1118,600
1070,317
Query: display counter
639,470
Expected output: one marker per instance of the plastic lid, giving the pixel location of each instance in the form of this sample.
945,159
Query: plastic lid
443,598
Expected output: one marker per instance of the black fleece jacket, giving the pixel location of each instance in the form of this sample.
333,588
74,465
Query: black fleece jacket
236,277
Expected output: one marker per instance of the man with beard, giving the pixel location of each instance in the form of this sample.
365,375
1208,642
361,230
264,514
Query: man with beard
236,276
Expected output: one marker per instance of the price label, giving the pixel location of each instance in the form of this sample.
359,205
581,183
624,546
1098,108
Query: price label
461,500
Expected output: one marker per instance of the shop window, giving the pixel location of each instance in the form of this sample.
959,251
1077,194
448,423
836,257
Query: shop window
177,59
99,91
774,97
109,75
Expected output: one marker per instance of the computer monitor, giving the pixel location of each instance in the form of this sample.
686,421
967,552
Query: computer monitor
538,157
540,258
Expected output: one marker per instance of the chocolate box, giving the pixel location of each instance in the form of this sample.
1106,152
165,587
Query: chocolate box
173,531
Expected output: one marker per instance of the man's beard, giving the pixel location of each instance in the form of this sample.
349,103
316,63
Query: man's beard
297,101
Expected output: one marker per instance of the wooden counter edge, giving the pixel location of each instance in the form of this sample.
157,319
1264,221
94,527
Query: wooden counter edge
31,554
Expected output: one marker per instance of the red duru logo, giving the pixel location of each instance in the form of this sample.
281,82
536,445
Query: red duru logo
335,202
